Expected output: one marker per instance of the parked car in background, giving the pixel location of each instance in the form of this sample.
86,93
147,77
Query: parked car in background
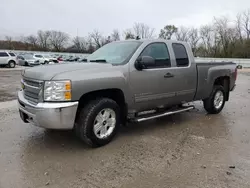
73,58
50,58
27,60
59,59
20,59
41,58
82,60
64,58
44,59
8,59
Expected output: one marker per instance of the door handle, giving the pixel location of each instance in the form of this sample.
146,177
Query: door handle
168,75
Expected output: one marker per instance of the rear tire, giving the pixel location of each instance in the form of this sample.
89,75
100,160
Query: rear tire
11,64
98,122
216,101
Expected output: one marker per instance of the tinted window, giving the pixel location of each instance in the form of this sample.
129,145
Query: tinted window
39,56
180,55
159,52
3,54
12,54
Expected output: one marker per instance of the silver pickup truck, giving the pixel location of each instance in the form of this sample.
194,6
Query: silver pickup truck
133,80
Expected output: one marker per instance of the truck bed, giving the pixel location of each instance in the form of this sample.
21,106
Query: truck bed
206,74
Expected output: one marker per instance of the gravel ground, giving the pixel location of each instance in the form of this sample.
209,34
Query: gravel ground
10,84
185,150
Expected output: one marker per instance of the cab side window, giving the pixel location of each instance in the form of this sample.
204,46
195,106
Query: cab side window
180,55
159,52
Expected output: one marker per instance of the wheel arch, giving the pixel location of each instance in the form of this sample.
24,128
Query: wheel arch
225,82
115,94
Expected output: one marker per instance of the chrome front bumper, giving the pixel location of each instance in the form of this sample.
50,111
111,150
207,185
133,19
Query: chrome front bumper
48,115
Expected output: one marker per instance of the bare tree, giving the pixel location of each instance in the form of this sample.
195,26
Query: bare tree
43,38
115,36
246,23
128,34
97,38
222,28
80,44
143,31
205,33
182,34
208,39
193,38
32,39
90,46
58,40
168,31
9,41
8,38
238,25
106,40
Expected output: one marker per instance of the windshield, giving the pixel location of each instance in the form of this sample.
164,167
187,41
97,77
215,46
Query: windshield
116,52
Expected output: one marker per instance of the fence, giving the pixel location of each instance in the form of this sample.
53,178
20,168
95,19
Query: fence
243,62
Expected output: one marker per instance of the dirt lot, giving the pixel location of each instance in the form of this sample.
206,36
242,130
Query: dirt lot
10,84
186,150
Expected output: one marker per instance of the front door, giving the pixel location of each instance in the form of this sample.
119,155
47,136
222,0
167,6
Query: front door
153,86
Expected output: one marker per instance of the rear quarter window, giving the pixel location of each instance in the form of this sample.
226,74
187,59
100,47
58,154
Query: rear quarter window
12,54
181,55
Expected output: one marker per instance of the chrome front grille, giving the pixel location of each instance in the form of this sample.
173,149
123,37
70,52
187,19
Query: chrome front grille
32,89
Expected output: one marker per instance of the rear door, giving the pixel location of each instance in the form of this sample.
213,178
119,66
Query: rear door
4,57
184,72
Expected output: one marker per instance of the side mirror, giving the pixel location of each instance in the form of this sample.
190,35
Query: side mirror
144,62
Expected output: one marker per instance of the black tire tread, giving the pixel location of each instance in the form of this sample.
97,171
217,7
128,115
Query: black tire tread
83,118
208,103
10,62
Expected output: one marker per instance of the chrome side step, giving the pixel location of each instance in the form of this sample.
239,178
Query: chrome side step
158,115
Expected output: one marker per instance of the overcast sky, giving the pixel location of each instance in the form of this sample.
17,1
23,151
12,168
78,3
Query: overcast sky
23,17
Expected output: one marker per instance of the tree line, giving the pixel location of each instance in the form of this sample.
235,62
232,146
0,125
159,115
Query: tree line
220,38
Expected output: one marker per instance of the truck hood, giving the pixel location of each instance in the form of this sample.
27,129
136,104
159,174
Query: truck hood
47,72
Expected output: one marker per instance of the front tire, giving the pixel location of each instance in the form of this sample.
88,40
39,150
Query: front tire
98,122
11,64
216,101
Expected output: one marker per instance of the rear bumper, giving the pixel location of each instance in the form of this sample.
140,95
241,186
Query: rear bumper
48,115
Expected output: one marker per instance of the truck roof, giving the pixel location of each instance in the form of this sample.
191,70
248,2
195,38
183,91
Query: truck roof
155,40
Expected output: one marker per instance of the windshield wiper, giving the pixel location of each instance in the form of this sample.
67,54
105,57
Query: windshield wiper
98,60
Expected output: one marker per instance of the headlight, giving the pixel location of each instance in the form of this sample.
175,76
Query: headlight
57,90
